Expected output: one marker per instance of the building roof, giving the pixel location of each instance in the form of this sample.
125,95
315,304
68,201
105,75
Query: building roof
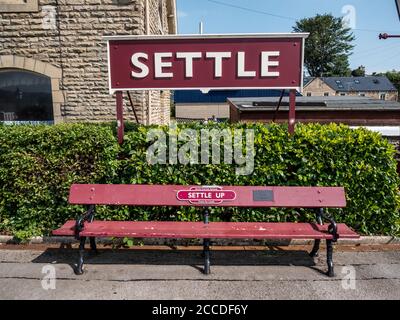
307,80
316,104
220,96
368,83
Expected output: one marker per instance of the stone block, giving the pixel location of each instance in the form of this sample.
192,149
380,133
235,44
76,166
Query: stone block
39,67
7,61
19,62
55,84
58,97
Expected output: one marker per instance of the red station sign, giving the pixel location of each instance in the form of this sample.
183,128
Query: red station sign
206,62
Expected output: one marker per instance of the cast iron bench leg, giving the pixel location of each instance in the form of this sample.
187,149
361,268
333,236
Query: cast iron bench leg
79,268
329,260
206,252
93,246
319,216
315,249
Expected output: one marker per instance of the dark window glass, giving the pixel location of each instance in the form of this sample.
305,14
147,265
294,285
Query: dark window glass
25,96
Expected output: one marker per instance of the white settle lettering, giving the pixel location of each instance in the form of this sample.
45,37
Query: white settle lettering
241,72
188,56
144,69
199,195
159,65
139,60
266,63
218,56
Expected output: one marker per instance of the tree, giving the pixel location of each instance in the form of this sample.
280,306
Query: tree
393,76
328,47
359,72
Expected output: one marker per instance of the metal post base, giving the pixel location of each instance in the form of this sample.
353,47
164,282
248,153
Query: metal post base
315,249
79,267
206,253
329,260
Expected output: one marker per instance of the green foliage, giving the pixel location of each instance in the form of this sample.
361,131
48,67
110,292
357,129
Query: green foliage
328,47
359,72
38,165
393,76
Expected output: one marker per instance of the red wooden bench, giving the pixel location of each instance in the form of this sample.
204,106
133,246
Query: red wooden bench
209,196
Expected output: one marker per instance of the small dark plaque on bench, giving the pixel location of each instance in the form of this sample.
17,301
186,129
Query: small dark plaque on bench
263,195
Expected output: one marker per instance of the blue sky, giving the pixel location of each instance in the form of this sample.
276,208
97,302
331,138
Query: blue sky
371,18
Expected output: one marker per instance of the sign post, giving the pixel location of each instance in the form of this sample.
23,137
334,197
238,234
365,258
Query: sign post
206,62
292,110
120,117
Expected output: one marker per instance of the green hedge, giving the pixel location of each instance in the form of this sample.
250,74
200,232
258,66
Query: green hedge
38,165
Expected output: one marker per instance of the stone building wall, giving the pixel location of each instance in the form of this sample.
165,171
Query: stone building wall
65,37
160,100
318,88
390,95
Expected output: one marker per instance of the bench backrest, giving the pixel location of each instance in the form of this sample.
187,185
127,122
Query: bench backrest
207,196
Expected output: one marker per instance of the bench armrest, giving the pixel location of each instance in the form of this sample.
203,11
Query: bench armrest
332,228
87,216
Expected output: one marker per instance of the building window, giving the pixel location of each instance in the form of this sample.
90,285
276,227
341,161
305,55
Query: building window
25,96
382,96
19,6
326,94
308,94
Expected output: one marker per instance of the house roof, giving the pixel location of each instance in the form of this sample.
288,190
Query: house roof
316,104
368,83
307,80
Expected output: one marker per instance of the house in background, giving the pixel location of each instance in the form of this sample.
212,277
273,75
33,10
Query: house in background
195,105
376,87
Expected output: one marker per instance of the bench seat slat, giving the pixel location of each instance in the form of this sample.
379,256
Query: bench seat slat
238,230
166,195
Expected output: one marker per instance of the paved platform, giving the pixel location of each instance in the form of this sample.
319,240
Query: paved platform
163,273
